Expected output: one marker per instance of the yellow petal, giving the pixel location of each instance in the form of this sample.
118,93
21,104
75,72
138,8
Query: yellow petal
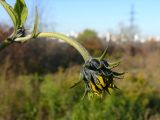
93,87
101,81
99,86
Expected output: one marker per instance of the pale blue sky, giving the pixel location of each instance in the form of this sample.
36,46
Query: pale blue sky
100,15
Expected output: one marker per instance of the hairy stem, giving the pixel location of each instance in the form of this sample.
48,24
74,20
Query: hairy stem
71,42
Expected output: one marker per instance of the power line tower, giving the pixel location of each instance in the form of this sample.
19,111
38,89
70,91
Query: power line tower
132,26
132,15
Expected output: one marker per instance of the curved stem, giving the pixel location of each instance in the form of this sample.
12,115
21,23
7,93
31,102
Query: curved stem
72,42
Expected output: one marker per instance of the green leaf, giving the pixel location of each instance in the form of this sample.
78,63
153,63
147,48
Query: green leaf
13,15
35,28
22,11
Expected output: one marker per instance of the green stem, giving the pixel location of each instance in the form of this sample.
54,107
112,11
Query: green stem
72,42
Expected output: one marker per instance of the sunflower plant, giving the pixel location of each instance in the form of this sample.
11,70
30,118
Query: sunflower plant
96,73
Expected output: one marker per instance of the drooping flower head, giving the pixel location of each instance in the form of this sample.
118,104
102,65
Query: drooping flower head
99,76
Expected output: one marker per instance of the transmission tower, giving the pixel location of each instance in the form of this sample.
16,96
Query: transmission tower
132,15
132,22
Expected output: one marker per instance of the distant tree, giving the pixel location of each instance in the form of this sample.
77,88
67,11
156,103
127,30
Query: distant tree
89,38
5,31
87,35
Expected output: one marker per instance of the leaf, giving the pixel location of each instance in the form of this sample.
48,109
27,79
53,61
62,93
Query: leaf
22,11
35,28
13,15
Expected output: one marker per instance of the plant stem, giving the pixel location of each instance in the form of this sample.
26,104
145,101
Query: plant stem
68,40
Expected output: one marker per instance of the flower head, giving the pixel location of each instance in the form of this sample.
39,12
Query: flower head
99,76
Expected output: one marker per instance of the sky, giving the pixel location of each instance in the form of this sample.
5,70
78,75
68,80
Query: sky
66,16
